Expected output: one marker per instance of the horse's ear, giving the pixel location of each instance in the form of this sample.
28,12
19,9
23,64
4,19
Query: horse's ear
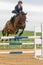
25,13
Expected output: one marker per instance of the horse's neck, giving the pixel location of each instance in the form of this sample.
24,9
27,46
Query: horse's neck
17,18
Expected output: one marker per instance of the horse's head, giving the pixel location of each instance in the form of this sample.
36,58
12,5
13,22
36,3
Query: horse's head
23,14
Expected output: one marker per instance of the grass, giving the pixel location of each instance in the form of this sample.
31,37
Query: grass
9,47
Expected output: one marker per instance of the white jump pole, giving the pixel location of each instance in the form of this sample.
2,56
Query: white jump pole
35,49
35,41
42,41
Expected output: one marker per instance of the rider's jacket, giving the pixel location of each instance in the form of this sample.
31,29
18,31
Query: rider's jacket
17,9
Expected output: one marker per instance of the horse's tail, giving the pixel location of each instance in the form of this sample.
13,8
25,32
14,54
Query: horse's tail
3,32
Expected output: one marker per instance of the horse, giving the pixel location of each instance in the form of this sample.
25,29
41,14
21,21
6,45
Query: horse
19,23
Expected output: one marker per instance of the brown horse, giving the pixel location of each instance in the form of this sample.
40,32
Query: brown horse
19,23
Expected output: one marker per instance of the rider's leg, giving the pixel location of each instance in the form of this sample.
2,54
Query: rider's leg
12,20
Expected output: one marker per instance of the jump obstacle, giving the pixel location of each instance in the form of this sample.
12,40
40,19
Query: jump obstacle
14,37
19,43
17,52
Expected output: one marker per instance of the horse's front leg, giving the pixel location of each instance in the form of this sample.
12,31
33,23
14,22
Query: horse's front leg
21,32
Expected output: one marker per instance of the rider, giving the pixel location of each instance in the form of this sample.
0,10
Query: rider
18,9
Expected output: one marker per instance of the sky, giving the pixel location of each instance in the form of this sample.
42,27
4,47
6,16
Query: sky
34,9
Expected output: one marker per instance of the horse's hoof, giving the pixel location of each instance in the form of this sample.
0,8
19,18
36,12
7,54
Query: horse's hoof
6,40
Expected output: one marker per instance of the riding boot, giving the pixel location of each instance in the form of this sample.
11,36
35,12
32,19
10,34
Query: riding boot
12,22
